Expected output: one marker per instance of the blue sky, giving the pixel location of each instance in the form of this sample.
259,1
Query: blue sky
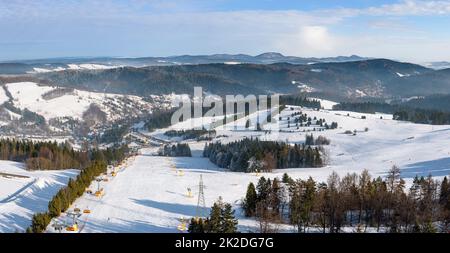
409,30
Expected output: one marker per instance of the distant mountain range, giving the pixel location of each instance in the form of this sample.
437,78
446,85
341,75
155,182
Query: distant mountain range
336,77
57,64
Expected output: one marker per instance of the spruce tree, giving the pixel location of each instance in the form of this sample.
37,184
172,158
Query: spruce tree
215,217
445,192
275,196
262,191
54,206
229,224
250,200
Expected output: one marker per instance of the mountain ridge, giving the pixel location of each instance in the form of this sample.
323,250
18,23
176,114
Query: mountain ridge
368,78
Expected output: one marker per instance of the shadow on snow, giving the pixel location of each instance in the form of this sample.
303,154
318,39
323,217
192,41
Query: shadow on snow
439,167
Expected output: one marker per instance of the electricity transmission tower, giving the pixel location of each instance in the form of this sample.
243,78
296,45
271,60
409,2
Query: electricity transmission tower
200,212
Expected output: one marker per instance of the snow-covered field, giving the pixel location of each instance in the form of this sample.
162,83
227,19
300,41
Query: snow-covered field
84,66
23,193
150,193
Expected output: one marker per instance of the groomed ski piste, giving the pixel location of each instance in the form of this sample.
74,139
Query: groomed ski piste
24,193
150,193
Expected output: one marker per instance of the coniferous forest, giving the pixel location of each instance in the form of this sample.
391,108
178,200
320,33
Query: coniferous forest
190,133
180,149
159,119
42,155
300,100
249,155
358,202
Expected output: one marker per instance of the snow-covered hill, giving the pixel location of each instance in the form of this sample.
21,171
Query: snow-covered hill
150,194
70,102
25,105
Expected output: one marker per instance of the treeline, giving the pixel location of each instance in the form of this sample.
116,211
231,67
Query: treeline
180,149
299,100
159,119
432,102
366,107
319,141
42,155
353,201
423,116
58,92
99,159
190,133
400,112
249,155
220,220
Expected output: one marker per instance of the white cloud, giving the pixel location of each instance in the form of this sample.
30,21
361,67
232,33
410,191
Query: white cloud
307,40
316,38
411,7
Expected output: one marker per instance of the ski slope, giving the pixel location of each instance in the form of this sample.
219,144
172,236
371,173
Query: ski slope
23,193
149,195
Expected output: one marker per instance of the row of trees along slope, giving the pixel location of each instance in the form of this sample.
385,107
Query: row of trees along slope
96,164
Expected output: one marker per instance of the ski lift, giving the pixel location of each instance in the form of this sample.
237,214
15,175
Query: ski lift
189,193
182,227
74,215
58,225
72,228
99,193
